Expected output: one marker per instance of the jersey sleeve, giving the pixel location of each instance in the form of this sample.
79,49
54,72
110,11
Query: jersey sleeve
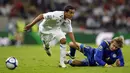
54,14
48,15
68,25
99,54
120,57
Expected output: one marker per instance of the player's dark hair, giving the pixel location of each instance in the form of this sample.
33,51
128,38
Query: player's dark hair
68,7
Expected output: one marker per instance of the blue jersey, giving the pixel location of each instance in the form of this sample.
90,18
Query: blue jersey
101,55
104,55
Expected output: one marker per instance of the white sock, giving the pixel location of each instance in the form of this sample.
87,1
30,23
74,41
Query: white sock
62,53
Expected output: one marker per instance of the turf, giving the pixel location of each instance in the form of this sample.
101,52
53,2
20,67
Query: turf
33,59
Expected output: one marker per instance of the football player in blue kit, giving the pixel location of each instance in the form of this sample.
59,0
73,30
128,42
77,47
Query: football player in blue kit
108,53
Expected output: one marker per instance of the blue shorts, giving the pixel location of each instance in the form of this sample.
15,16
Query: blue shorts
89,53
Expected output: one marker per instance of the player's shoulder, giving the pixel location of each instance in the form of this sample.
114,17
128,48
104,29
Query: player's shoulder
106,42
68,20
104,45
58,13
119,50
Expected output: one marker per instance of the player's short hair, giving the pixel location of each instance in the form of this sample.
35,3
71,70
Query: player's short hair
68,7
119,41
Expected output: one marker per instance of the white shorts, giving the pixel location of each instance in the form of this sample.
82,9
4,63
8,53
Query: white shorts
52,37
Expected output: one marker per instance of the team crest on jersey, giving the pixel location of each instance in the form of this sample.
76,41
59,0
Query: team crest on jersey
49,16
114,55
62,16
100,47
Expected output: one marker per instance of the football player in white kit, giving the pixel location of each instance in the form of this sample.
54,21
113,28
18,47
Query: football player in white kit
49,29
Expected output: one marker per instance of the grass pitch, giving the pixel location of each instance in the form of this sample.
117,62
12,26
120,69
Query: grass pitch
33,59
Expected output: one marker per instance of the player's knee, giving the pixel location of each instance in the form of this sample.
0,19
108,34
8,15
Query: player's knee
63,41
71,44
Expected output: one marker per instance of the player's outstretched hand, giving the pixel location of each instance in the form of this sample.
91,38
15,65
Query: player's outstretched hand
77,46
117,62
108,66
27,27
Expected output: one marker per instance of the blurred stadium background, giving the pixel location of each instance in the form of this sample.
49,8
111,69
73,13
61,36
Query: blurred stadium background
92,17
94,21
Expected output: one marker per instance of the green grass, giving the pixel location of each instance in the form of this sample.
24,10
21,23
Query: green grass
33,59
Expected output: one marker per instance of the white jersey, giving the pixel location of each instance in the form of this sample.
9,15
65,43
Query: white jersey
53,21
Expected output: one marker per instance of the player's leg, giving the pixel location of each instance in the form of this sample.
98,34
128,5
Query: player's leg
77,62
46,38
62,52
47,48
73,49
62,39
88,51
85,50
73,46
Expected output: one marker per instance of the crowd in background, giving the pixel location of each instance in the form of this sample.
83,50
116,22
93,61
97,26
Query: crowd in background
90,14
105,15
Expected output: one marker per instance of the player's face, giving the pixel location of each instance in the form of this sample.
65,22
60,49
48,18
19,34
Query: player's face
113,46
70,13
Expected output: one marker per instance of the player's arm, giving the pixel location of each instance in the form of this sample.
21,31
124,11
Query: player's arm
71,44
120,60
99,55
48,15
70,33
37,19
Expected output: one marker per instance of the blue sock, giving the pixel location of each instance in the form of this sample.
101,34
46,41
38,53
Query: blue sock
70,61
72,51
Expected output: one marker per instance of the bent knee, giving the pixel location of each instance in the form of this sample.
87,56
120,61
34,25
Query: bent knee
71,44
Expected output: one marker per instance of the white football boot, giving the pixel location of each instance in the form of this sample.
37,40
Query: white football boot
62,65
